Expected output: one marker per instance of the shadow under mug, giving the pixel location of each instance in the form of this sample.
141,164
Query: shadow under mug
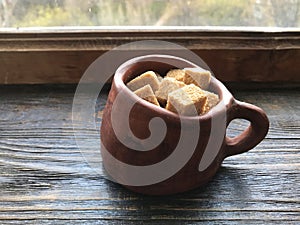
192,148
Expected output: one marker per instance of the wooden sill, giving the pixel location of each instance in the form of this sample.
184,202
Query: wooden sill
46,179
62,56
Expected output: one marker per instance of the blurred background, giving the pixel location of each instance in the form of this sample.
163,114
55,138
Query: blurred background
45,13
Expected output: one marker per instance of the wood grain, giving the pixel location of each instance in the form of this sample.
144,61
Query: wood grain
44,178
63,56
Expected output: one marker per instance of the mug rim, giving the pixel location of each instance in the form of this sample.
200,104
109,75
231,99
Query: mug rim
224,95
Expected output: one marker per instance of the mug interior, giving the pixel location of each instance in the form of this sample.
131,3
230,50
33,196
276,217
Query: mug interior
162,64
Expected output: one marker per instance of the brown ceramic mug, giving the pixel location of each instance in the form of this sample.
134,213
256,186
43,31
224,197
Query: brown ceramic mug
189,150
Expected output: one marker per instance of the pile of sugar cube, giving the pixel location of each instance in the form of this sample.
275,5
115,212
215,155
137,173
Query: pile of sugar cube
182,91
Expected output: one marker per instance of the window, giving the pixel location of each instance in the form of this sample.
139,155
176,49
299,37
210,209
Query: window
262,13
53,41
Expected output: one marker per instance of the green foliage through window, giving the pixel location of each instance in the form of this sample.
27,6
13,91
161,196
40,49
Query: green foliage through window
37,13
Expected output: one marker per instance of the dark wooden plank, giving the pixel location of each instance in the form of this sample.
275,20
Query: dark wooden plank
63,56
44,178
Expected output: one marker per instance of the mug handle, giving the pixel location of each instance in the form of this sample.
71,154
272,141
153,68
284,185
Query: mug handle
255,133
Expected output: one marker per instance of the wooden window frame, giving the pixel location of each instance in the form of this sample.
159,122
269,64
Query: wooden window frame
37,56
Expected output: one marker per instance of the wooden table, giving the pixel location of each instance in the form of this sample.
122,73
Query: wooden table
44,178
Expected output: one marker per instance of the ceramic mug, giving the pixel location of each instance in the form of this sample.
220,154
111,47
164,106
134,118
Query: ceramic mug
188,150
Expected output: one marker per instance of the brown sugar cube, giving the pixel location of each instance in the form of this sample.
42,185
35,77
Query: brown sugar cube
197,76
166,86
160,78
212,100
178,74
148,77
188,101
147,94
